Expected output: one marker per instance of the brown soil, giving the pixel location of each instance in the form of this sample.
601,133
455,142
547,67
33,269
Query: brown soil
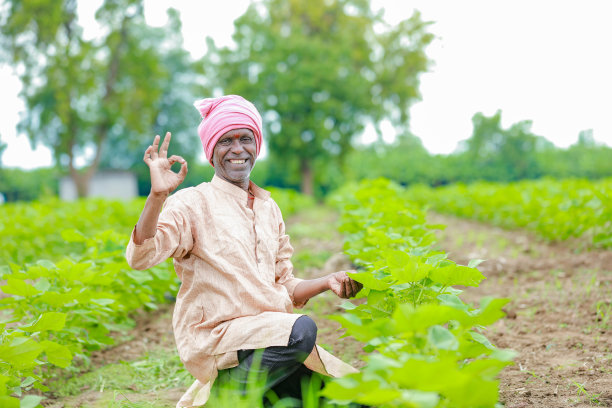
153,331
559,319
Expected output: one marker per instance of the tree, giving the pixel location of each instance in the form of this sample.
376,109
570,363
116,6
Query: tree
497,154
319,71
80,94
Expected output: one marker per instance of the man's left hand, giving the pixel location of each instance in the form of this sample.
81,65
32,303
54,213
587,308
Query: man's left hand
342,285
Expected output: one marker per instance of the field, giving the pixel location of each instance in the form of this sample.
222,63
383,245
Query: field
556,318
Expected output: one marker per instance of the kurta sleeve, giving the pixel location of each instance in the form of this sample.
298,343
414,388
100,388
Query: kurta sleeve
284,266
173,237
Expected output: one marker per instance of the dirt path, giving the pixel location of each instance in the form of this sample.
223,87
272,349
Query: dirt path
559,319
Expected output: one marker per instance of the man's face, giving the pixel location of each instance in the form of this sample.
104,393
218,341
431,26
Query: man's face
234,156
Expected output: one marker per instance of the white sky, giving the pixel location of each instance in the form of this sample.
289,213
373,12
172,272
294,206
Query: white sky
549,61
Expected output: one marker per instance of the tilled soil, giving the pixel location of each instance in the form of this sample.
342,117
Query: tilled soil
559,319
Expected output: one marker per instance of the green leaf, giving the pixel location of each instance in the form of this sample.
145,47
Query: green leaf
366,392
369,281
406,268
19,288
103,302
9,402
45,263
452,301
475,262
21,353
442,338
490,311
451,274
503,354
31,401
54,299
42,284
421,399
479,338
27,382
346,305
140,277
407,318
3,380
73,235
57,354
47,321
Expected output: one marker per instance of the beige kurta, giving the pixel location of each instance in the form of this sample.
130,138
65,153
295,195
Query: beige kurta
236,279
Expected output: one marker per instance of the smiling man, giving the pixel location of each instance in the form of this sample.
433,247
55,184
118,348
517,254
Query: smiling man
233,257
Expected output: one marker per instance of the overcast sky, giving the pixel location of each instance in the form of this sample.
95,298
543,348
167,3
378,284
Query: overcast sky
548,61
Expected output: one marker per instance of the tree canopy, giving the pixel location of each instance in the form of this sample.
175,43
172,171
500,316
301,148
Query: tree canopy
319,71
91,99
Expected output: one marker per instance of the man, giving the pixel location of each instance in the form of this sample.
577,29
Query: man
232,255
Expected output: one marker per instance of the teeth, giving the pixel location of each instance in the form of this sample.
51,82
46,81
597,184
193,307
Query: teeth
237,161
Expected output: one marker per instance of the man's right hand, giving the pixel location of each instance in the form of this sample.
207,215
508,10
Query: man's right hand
163,179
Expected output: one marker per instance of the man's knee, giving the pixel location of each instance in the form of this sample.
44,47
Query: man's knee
303,335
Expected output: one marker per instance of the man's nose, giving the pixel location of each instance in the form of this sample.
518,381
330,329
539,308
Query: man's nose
236,146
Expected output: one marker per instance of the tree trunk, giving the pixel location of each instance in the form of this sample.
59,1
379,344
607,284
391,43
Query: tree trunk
82,179
81,182
307,177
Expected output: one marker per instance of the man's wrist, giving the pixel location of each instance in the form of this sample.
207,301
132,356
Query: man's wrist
158,196
328,281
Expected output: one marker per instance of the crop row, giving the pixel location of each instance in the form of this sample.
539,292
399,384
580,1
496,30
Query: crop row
67,287
556,210
428,348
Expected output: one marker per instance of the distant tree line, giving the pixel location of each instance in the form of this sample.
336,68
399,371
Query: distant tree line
491,153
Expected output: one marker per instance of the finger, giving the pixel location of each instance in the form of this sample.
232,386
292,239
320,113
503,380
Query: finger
183,172
163,150
155,147
174,158
354,288
147,155
347,287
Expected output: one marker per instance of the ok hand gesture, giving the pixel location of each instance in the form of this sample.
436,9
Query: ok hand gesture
163,179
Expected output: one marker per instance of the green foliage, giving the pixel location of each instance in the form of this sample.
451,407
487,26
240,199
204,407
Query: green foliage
290,201
100,94
51,229
318,71
503,154
492,153
555,209
427,346
405,161
584,159
27,185
69,287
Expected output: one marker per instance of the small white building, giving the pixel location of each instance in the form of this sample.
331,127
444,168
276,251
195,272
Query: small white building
113,184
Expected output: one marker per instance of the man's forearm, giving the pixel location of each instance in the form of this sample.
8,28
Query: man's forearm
310,288
147,223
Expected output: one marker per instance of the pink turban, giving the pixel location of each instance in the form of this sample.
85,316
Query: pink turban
220,115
